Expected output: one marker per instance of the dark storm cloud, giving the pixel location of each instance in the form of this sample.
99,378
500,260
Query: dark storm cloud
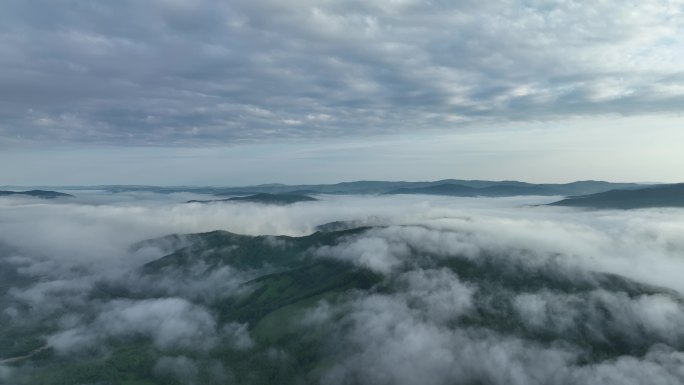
180,72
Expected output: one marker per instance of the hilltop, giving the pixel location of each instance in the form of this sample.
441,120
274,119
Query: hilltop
274,199
658,196
285,287
45,194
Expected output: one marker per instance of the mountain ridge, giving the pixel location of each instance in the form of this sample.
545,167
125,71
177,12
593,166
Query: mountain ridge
44,194
266,198
649,197
367,187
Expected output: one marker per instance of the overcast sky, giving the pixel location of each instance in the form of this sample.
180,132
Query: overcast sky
253,91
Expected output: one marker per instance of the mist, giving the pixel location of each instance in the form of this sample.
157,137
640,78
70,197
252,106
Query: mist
566,286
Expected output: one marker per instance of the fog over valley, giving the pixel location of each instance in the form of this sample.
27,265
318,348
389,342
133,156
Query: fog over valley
347,289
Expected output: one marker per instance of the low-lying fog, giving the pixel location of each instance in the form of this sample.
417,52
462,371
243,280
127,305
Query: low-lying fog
68,245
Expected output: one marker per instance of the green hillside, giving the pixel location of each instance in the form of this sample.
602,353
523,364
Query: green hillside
285,279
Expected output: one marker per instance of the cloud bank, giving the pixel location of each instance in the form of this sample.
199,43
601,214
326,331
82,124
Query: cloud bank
184,73
471,290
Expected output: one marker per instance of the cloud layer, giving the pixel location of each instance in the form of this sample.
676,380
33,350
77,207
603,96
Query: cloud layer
471,290
176,72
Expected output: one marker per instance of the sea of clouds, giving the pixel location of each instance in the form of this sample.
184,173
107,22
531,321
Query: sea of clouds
67,248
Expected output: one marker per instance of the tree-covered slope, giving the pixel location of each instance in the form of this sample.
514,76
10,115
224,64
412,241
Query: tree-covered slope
288,310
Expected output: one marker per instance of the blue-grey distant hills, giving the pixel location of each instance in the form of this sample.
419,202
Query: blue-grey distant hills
652,196
275,199
513,188
45,194
465,191
451,187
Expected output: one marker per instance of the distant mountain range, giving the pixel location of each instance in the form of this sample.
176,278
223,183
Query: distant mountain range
652,196
45,194
465,191
592,194
275,199
450,187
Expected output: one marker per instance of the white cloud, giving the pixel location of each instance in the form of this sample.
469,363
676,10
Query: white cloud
169,322
424,323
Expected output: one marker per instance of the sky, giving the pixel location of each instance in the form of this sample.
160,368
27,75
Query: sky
240,92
